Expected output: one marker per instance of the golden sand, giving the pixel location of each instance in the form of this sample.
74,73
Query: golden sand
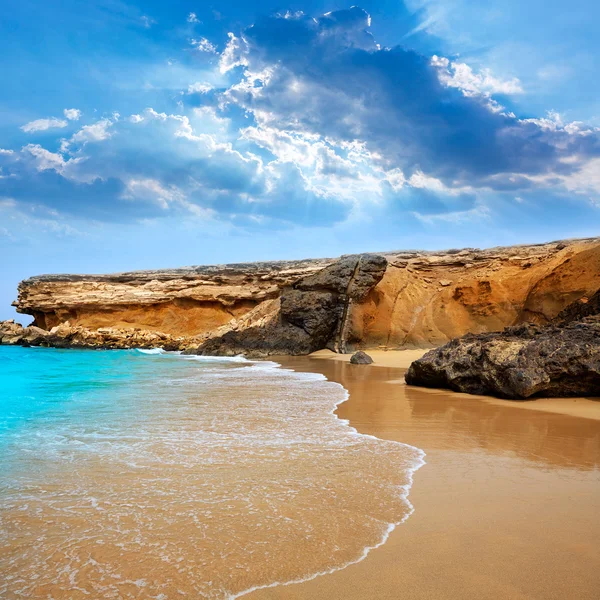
401,359
506,507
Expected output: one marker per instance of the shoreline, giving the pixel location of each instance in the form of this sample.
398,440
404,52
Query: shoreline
405,495
586,408
503,490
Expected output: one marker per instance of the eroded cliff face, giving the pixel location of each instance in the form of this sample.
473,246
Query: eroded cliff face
415,298
426,299
189,301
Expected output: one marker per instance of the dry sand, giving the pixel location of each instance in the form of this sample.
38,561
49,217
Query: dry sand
507,506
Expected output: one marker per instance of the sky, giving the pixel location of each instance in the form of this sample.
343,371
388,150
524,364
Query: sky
149,134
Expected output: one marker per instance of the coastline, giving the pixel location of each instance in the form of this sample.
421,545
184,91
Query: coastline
586,408
506,505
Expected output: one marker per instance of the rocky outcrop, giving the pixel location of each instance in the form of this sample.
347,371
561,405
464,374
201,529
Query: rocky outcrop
424,299
311,314
520,362
189,301
65,336
580,309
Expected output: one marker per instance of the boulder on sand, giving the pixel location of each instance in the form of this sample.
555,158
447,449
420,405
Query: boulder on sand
518,363
361,358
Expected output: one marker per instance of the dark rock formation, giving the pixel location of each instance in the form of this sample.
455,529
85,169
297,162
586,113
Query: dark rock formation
313,312
518,363
580,309
361,358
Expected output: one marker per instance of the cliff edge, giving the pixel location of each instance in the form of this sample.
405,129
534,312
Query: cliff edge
402,299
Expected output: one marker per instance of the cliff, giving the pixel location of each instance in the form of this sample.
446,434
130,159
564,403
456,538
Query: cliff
409,298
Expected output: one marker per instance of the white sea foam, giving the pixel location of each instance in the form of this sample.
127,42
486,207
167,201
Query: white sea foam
208,476
404,490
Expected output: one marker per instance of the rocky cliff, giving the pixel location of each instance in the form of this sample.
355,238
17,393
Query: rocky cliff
392,299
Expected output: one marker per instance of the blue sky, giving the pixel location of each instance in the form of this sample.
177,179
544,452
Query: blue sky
146,135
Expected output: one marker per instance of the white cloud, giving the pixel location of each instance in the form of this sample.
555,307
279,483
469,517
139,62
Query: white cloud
192,18
147,22
462,76
422,181
96,132
3,151
479,213
199,88
233,55
72,114
554,122
45,160
152,189
43,125
204,45
210,117
136,118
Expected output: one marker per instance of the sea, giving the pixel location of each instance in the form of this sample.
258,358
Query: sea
152,475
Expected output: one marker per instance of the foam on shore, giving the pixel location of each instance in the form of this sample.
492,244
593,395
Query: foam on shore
200,476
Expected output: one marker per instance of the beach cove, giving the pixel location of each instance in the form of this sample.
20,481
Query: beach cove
506,506
141,474
257,495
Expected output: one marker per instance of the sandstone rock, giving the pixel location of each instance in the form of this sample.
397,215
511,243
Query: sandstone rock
407,307
445,282
66,336
11,333
33,336
361,358
312,314
518,363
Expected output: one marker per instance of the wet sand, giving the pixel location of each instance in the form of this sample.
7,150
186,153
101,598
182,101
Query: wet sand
507,506
575,407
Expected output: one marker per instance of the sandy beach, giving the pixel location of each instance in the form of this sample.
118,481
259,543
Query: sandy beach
506,507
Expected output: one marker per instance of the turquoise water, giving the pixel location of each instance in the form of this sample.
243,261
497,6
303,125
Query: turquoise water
49,384
141,474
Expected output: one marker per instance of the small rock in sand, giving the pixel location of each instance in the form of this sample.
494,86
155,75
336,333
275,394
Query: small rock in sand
361,358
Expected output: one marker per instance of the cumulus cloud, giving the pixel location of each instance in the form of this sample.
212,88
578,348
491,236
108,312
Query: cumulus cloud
233,55
152,189
204,45
44,159
328,77
171,165
318,124
199,88
192,18
43,125
96,132
462,76
72,114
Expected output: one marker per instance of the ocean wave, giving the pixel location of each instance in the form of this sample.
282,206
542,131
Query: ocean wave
226,474
152,351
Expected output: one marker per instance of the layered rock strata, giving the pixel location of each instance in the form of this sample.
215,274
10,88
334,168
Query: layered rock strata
66,336
423,299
